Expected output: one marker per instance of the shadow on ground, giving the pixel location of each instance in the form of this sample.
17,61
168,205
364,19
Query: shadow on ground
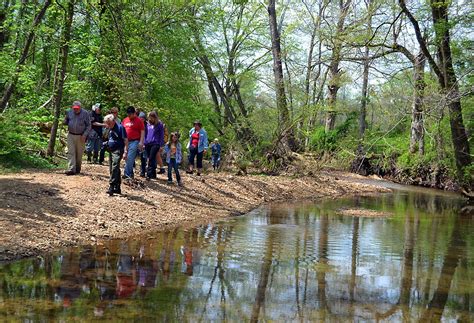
23,201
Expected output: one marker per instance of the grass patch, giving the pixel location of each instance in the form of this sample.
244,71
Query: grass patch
17,161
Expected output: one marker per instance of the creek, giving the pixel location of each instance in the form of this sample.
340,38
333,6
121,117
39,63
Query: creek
411,259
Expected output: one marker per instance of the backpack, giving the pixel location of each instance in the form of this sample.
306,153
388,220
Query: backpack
165,133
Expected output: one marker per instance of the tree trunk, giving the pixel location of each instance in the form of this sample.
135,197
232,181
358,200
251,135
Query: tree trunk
287,141
4,34
444,70
364,98
61,74
19,23
11,86
417,129
439,10
334,70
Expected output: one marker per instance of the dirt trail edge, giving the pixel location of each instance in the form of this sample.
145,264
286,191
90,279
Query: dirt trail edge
42,211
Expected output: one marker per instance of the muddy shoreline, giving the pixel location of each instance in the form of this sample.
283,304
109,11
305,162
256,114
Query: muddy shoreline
41,211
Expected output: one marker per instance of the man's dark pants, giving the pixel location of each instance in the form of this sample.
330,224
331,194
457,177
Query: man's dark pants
114,165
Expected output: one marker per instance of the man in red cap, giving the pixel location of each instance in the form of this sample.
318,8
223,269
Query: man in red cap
79,125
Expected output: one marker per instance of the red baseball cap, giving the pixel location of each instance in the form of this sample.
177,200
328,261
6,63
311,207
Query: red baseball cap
76,105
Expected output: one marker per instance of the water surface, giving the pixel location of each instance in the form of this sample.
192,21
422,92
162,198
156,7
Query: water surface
283,262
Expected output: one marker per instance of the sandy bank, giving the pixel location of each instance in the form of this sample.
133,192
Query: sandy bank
41,211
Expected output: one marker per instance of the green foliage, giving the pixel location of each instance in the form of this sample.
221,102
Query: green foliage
144,54
19,145
322,141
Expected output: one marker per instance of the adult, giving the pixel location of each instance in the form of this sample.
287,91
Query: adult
154,134
142,154
197,146
136,135
216,154
94,140
115,112
118,146
159,155
79,125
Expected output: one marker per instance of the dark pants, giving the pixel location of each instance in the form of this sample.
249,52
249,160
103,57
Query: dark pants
143,159
151,151
193,152
173,165
102,154
114,164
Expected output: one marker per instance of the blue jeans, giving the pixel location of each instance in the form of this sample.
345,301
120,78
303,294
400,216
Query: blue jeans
173,165
216,159
131,156
94,145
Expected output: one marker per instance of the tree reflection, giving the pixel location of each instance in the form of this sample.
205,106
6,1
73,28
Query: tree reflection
323,260
451,261
265,268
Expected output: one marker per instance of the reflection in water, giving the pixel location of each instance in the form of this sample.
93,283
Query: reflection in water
284,262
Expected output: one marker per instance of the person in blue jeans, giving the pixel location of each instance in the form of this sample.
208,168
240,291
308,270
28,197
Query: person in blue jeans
216,154
94,140
143,154
197,145
173,157
135,129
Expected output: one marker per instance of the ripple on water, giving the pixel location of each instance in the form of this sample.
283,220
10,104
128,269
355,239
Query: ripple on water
288,262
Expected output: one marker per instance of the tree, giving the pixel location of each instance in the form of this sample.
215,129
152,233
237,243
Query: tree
446,75
60,74
334,69
417,133
24,54
235,27
287,140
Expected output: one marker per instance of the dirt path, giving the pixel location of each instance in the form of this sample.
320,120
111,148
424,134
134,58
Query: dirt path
41,211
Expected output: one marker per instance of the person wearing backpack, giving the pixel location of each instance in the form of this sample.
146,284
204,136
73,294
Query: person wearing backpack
117,145
159,155
216,154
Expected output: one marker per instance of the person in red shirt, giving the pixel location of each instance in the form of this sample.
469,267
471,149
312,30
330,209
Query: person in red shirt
135,129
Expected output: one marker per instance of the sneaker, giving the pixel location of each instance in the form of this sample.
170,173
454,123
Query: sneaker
180,184
69,173
170,182
111,190
117,190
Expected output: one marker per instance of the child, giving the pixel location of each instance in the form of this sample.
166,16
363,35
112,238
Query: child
173,157
216,154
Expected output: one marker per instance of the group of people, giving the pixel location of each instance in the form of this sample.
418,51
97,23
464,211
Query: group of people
136,135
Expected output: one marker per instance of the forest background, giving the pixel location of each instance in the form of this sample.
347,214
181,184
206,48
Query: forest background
375,86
